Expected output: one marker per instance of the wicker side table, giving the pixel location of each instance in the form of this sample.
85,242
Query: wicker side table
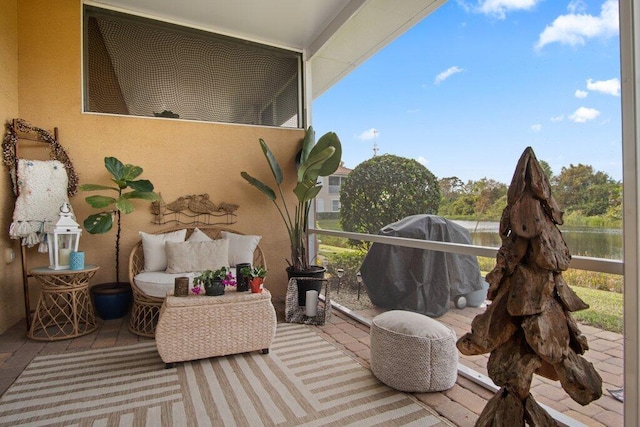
64,309
199,327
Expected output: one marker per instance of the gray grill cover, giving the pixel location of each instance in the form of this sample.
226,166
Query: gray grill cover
420,280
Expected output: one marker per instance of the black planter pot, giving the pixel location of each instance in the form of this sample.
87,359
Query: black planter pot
214,288
315,272
112,300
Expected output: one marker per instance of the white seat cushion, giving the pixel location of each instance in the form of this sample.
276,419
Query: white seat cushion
158,283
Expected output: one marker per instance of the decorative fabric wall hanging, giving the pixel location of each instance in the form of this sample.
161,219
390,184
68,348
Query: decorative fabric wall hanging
40,186
42,190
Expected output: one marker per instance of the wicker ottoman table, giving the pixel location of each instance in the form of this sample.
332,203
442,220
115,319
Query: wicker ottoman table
198,327
412,352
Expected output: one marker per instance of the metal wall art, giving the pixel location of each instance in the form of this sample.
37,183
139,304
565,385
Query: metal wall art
194,209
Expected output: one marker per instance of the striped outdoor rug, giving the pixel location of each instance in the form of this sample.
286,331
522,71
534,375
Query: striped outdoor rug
304,380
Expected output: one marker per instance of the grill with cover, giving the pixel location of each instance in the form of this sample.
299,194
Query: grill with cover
421,280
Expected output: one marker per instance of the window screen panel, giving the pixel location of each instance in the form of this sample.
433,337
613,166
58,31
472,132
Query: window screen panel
143,67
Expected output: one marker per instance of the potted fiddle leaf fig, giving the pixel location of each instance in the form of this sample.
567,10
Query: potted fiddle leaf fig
118,201
314,160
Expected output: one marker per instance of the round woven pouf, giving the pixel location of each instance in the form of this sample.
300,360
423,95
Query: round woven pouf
412,352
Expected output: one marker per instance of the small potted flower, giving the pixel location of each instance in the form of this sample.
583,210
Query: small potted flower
256,277
229,280
197,289
214,281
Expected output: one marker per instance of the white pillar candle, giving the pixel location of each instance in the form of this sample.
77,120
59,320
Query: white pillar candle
311,304
64,256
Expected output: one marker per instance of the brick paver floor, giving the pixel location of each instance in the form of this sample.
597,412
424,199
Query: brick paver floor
461,405
467,397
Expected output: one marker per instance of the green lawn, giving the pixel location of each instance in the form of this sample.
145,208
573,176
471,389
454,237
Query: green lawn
329,224
328,250
605,309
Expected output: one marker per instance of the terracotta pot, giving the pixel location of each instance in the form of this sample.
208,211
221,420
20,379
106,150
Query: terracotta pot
256,285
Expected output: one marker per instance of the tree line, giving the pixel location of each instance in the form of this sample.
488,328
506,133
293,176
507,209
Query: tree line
387,188
585,195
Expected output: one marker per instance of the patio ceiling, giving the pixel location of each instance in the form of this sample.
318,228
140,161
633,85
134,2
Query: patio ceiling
336,36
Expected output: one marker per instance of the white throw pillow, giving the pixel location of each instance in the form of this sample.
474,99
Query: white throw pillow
199,236
241,247
155,257
197,256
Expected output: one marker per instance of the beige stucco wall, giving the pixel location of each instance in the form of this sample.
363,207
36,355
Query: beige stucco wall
179,157
11,305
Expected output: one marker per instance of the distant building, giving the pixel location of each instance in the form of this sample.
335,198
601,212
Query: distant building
328,200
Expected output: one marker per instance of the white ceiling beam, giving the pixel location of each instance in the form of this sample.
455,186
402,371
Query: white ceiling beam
374,25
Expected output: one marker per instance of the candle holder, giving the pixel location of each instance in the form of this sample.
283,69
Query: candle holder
242,281
318,305
181,285
62,239
76,260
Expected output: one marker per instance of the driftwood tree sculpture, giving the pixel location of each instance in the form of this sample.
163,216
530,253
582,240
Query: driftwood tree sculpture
528,327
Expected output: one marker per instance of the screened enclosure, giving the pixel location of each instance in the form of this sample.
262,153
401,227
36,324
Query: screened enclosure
141,67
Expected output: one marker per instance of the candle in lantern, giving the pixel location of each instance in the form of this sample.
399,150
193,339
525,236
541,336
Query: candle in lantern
65,253
311,304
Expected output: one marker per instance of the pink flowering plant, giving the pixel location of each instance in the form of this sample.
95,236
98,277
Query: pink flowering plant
229,280
222,274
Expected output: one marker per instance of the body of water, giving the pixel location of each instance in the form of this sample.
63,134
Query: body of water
583,241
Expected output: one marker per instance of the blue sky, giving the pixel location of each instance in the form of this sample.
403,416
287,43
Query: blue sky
465,91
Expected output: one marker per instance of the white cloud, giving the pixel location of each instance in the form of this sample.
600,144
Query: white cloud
464,5
577,6
581,93
369,134
447,73
608,87
499,8
576,27
423,161
557,118
536,128
584,114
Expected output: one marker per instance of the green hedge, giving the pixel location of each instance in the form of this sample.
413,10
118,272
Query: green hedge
350,262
